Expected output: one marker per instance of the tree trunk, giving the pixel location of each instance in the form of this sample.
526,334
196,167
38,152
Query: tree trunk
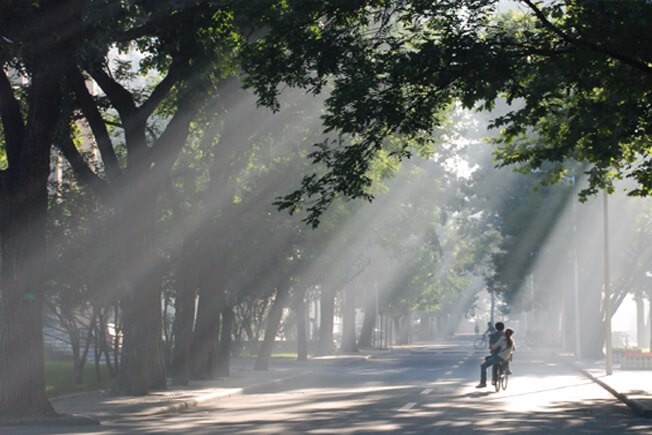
183,322
206,335
368,324
348,321
155,353
592,326
649,317
133,376
327,312
23,208
640,319
302,323
223,366
273,322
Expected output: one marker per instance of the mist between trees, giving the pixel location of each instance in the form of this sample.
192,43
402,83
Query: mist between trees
141,184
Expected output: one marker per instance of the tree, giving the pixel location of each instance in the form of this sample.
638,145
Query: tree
180,41
28,131
188,46
568,67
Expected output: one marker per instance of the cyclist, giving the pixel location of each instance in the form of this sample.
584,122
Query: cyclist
501,353
496,333
500,327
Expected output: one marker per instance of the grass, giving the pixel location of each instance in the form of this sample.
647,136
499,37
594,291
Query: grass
59,378
287,355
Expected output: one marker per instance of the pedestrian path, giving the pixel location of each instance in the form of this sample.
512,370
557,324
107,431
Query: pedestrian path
632,387
102,405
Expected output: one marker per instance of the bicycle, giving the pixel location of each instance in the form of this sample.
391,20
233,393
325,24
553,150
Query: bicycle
481,342
501,377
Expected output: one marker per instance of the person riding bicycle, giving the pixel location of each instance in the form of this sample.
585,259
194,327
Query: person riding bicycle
501,353
498,331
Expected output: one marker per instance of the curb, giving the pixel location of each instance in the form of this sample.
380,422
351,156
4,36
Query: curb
637,409
59,420
193,403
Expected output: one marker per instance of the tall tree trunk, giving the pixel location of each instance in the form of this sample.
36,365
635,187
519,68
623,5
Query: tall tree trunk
327,312
206,335
368,324
223,366
302,323
348,321
142,365
273,323
640,319
649,317
24,200
183,322
133,375
592,326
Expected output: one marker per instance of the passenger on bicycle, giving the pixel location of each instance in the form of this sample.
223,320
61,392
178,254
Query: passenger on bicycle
501,353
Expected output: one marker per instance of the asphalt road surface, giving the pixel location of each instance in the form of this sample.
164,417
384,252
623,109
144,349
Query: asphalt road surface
417,390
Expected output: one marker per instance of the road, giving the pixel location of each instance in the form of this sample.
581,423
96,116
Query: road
416,390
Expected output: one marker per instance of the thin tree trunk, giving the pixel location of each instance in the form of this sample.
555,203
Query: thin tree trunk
640,319
302,323
327,311
273,323
206,335
368,324
183,322
649,317
348,321
81,363
223,366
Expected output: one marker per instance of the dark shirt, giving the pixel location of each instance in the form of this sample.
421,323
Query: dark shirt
494,337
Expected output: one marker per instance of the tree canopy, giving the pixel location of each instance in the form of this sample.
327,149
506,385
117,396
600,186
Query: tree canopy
576,76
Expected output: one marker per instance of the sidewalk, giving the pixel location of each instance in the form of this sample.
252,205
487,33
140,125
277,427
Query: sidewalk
632,387
93,407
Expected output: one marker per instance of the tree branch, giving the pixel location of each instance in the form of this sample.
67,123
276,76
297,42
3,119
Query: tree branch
84,174
634,63
96,123
12,120
120,98
161,91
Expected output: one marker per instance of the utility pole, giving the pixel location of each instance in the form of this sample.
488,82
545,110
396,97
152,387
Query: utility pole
607,292
493,305
576,280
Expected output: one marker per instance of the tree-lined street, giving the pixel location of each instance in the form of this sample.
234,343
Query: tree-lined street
419,389
189,185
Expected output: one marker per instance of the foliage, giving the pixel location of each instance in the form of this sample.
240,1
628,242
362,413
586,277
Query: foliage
576,73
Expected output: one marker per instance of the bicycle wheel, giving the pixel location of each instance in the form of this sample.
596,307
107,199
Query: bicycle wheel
503,380
480,343
499,377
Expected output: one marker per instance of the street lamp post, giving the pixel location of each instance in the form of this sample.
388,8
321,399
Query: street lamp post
607,293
